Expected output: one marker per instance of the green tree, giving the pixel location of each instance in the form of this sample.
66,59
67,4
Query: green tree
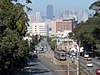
35,40
13,26
12,49
53,44
89,32
71,35
85,32
96,6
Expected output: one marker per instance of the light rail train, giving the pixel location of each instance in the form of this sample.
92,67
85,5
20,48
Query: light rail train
60,54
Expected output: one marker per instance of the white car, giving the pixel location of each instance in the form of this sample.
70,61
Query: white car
86,56
89,64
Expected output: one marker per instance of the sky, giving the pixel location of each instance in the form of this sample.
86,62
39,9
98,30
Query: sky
60,5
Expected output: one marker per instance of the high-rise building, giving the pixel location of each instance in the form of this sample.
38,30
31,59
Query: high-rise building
37,17
83,15
69,14
50,12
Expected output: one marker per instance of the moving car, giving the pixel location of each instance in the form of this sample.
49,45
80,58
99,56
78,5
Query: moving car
89,59
86,56
98,71
89,64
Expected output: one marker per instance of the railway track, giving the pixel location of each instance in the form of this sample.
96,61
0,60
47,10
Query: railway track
86,71
82,70
73,68
64,64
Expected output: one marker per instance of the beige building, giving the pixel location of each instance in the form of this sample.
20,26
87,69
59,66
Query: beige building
38,29
61,25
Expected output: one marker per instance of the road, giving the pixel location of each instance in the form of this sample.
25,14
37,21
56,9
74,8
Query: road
35,67
91,69
50,58
52,64
47,65
40,66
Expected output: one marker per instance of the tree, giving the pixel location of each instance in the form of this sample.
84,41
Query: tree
53,44
35,40
96,6
71,35
13,17
89,32
12,49
85,32
13,26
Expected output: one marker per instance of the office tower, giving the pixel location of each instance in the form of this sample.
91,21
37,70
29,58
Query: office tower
83,16
69,14
60,15
37,17
50,12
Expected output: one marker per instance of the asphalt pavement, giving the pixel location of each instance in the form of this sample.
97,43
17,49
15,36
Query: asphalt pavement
35,67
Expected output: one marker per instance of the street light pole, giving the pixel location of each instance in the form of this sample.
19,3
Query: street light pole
79,56
68,68
68,49
78,60
77,63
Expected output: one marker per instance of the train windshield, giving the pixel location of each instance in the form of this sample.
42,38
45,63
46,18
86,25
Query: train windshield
62,55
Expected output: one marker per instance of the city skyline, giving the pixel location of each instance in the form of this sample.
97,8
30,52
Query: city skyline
59,5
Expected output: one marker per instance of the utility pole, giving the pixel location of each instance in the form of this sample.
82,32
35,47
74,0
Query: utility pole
68,68
78,60
79,56
68,51
77,63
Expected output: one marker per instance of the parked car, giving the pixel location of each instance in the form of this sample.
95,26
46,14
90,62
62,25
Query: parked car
33,56
89,64
98,71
